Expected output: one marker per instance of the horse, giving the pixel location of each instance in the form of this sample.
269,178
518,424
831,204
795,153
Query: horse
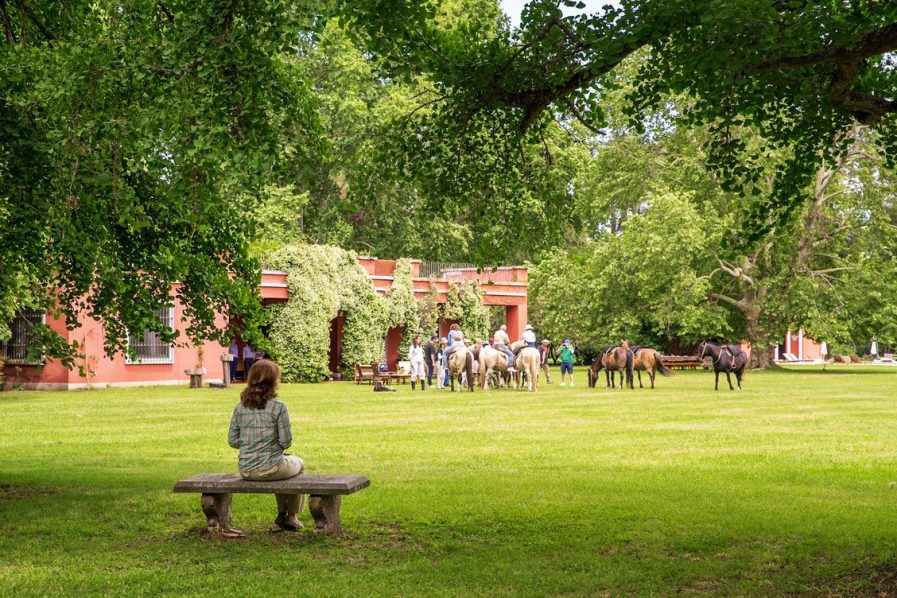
461,362
726,358
646,359
491,361
613,358
528,362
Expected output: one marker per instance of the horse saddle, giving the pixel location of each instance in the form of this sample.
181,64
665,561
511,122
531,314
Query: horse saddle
734,350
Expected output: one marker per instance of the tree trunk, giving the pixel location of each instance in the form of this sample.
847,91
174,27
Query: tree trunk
759,341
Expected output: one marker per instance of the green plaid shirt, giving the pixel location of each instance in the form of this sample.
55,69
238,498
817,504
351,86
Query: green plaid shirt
261,435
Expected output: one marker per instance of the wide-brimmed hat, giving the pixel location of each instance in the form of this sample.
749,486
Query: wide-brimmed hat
545,341
528,327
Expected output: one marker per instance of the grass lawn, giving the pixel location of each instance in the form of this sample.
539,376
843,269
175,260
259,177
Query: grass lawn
787,487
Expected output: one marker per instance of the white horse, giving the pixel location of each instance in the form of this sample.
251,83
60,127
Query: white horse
491,360
529,363
461,362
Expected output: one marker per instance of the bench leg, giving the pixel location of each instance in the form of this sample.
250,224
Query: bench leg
325,510
216,508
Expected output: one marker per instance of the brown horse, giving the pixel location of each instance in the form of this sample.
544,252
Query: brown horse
646,359
613,358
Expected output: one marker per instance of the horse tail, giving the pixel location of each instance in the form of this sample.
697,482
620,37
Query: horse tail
469,369
658,365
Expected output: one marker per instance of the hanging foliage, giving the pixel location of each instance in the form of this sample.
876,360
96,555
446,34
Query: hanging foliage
428,311
465,306
403,308
324,282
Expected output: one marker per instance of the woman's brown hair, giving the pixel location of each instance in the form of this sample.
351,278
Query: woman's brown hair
261,384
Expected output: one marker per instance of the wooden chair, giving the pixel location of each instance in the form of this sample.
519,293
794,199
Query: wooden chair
364,373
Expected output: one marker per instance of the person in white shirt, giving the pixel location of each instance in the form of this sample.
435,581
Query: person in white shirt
529,337
416,357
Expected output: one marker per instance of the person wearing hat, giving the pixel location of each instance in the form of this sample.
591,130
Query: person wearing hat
430,358
529,337
543,361
567,352
503,342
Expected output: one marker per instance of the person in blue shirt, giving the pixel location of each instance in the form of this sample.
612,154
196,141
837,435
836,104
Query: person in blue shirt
455,339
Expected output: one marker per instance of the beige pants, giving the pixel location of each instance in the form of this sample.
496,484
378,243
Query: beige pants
547,371
289,467
440,376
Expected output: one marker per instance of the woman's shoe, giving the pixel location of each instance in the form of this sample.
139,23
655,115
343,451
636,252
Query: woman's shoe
288,522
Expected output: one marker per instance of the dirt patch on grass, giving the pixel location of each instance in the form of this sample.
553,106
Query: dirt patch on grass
870,579
21,492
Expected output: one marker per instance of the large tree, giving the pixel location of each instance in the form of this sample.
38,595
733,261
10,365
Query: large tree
129,131
803,71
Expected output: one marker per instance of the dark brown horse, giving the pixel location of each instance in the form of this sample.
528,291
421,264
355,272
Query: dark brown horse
613,358
726,358
646,359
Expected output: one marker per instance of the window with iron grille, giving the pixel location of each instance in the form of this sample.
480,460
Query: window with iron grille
149,347
15,350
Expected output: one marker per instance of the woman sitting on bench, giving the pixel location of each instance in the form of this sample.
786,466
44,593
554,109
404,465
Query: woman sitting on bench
260,428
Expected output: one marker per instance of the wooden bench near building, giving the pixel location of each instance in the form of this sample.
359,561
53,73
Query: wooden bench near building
324,492
682,362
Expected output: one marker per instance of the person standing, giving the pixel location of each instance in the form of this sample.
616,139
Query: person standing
234,351
440,364
543,360
430,358
567,352
416,357
248,359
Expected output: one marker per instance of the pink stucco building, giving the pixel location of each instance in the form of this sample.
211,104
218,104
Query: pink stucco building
158,363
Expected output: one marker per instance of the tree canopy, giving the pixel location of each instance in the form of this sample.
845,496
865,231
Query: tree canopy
800,71
155,143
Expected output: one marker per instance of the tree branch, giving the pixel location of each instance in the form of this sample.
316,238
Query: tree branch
37,23
575,112
726,299
7,24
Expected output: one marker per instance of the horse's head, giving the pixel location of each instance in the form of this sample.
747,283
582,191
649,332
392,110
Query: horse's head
701,350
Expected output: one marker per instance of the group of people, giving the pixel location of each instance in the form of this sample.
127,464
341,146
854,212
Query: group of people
431,361
260,424
249,355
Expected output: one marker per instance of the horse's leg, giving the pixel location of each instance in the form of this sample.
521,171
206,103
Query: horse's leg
639,372
650,375
716,386
729,378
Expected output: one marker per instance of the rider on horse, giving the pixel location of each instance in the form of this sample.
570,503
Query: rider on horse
502,343
455,339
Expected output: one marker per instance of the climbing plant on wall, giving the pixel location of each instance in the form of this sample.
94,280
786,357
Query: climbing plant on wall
465,306
403,308
428,311
324,281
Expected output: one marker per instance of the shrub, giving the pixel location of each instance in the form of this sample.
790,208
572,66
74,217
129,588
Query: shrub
323,281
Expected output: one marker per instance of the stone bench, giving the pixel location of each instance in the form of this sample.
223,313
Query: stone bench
325,495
